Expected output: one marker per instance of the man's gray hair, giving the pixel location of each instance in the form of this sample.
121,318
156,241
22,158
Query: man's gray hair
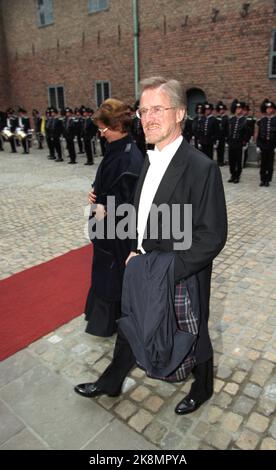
172,87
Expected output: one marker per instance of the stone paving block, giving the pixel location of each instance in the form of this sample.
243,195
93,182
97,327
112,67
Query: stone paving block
231,422
10,424
213,414
48,404
140,393
118,435
268,444
15,366
171,440
243,405
153,403
239,376
222,400
231,388
257,422
219,439
140,420
125,409
272,429
247,440
155,432
218,385
252,390
24,440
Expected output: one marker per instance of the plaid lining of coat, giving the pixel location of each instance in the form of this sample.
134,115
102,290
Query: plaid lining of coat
186,321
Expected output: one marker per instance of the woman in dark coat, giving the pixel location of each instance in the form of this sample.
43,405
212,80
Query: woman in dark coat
116,176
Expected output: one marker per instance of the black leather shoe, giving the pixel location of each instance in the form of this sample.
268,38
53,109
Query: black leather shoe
267,184
91,390
262,183
188,405
231,180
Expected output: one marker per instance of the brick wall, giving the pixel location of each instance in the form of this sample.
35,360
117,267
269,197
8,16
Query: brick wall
4,72
226,59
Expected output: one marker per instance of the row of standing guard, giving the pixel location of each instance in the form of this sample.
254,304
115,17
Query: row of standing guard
16,129
209,133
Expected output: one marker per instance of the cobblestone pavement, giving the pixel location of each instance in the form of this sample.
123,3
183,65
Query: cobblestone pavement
42,217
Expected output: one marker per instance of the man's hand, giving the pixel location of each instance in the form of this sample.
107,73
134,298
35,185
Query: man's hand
99,212
131,254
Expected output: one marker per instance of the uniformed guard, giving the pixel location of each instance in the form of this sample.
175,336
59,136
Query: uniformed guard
237,139
223,122
79,128
55,132
24,130
89,132
251,121
266,141
208,131
70,124
12,124
187,131
197,123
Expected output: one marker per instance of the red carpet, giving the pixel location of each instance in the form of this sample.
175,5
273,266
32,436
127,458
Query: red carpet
36,301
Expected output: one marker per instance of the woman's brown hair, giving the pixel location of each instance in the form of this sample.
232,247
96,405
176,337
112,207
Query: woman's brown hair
114,114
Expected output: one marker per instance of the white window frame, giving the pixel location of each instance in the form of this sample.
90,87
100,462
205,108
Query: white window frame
95,5
55,87
272,57
102,83
45,9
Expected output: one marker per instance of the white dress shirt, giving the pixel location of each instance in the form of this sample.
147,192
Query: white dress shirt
159,162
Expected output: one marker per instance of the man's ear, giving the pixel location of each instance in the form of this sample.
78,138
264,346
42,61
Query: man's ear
180,114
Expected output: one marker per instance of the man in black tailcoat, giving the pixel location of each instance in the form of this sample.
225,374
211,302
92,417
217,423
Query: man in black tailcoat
173,174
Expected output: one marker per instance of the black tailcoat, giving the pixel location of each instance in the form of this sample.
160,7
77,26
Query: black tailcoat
192,178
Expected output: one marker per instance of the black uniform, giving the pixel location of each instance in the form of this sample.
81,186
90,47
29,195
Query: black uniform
251,121
188,129
69,131
238,137
55,129
208,134
79,129
266,141
223,122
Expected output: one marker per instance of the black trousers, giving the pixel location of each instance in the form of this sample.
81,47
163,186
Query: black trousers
88,150
267,163
12,142
123,361
208,150
80,143
220,152
235,161
71,150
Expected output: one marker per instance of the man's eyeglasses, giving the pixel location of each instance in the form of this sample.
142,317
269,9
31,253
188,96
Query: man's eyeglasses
103,130
156,111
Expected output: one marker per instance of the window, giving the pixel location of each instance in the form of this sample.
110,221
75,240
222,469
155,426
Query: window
56,97
272,61
97,5
45,12
102,92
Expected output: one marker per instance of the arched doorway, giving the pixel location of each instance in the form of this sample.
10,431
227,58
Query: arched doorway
194,96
